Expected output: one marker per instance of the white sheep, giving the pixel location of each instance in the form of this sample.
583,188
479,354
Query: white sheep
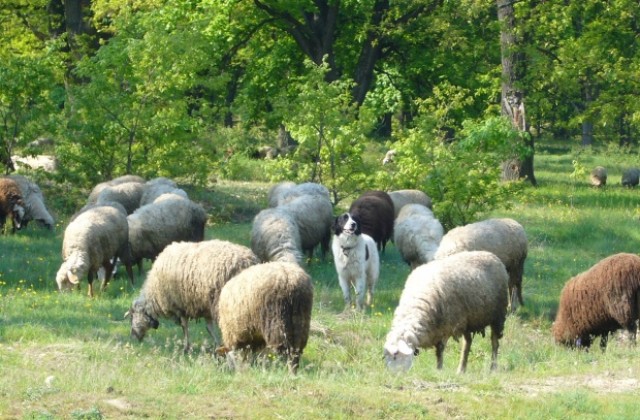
459,295
285,191
505,238
93,195
185,282
128,194
276,191
275,236
169,218
417,234
313,215
34,206
156,187
402,197
267,305
91,241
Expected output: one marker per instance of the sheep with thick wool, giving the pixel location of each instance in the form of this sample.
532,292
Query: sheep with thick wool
277,191
459,295
599,301
598,176
286,191
91,241
11,204
313,215
128,194
417,234
34,207
401,198
267,305
275,236
169,218
154,188
504,237
97,189
376,213
185,282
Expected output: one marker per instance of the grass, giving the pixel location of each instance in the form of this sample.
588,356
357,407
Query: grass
65,356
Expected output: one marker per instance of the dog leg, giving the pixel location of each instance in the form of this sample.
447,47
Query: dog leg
346,292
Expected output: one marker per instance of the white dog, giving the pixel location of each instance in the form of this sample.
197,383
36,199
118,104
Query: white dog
357,261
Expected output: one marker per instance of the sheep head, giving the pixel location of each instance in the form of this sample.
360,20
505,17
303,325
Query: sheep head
141,321
398,355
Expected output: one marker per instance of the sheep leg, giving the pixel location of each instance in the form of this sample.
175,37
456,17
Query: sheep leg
213,333
108,272
129,269
604,338
440,353
495,343
184,323
464,355
90,280
513,297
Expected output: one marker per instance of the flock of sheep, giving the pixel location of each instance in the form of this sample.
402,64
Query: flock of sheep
261,297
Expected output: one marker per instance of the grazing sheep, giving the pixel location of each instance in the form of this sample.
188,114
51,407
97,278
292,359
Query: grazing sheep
185,282
601,300
505,238
11,204
402,197
417,234
128,194
47,163
598,176
459,295
630,177
93,240
267,305
169,218
34,208
313,215
389,156
95,192
154,189
275,236
376,213
277,191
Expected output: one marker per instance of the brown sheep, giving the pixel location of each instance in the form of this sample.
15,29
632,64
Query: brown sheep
11,204
599,301
376,213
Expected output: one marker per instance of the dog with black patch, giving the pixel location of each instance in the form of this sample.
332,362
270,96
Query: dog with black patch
357,261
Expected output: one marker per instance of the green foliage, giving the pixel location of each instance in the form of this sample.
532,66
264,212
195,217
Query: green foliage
331,139
462,177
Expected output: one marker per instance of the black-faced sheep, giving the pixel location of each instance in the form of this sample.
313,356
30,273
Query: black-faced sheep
185,282
402,197
275,236
505,238
11,204
376,213
169,218
630,177
599,301
417,234
267,305
456,296
91,241
128,194
34,206
598,176
314,215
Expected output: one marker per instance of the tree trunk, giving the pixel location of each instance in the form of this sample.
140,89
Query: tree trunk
512,98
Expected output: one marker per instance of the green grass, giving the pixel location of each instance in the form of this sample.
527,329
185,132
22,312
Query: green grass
65,356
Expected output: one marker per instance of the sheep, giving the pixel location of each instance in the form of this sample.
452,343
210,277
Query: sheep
92,240
599,301
630,177
185,282
47,163
156,187
169,218
504,237
459,295
598,176
403,197
313,215
128,194
417,234
34,206
276,191
267,305
389,156
285,192
95,192
11,204
275,236
376,213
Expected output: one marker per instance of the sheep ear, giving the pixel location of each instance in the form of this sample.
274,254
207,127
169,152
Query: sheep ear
404,348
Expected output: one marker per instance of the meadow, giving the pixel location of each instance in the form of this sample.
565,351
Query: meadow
66,356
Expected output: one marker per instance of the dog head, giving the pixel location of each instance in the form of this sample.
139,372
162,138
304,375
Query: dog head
346,224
